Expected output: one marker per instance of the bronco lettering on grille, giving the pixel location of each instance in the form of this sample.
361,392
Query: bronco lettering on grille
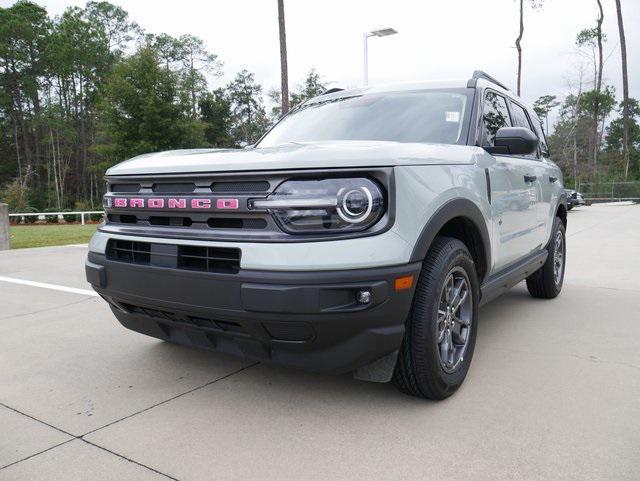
174,203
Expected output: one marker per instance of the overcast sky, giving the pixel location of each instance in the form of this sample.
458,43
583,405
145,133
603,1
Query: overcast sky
436,39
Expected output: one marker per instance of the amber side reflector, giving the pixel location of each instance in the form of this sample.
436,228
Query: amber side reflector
403,283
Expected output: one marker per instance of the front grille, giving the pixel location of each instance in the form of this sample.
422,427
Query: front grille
193,258
235,223
181,220
252,223
240,187
226,187
129,188
173,221
174,188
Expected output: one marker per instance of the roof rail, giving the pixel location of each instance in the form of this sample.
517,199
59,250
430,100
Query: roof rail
331,91
479,74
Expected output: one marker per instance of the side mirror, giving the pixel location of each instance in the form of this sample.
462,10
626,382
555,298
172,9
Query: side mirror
514,141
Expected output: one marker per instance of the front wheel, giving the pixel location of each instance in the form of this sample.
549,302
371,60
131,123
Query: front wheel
546,282
441,329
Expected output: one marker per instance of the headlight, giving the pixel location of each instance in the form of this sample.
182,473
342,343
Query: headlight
324,206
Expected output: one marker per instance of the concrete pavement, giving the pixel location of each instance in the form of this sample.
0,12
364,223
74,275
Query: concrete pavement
552,392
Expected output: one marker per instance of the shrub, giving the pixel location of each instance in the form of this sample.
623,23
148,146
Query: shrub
95,217
15,195
51,219
32,218
70,217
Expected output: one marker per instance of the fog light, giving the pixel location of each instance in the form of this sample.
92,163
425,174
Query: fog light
363,297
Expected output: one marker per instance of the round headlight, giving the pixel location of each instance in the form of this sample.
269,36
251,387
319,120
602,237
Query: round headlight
325,206
355,205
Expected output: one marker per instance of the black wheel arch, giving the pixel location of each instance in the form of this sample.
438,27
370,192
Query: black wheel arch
562,208
462,219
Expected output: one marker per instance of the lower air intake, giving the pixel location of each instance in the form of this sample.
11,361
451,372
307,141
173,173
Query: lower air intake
209,259
193,258
129,251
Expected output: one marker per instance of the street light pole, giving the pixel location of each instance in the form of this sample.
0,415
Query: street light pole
284,74
383,32
365,59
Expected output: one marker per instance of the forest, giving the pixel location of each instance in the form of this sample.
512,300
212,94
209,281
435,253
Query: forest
89,88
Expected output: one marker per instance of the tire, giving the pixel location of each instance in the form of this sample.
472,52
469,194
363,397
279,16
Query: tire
545,283
569,207
420,369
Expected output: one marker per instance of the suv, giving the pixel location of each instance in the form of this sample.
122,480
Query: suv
360,234
574,199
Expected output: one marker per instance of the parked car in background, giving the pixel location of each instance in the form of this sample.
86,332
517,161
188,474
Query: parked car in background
574,199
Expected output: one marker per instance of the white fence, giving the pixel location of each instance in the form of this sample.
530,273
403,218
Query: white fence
43,215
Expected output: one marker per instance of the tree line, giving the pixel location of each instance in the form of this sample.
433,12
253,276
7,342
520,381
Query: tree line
87,89
596,137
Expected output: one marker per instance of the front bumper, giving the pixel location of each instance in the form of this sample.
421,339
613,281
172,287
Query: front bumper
309,320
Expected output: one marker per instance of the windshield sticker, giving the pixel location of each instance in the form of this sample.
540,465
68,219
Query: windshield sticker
452,116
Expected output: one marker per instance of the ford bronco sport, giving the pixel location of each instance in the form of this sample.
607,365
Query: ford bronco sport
360,234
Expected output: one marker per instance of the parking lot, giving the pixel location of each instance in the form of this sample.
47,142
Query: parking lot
553,391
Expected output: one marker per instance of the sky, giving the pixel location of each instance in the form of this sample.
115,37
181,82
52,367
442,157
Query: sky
436,39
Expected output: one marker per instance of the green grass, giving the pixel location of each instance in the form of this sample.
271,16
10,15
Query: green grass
49,235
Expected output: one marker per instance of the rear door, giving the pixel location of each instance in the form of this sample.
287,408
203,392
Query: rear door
514,190
551,182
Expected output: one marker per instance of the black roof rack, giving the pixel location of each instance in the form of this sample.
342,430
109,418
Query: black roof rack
331,91
479,74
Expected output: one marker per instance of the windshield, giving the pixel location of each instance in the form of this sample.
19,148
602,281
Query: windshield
433,116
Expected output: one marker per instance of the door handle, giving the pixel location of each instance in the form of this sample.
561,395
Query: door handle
553,179
530,178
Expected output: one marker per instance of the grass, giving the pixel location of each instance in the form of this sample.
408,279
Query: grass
42,235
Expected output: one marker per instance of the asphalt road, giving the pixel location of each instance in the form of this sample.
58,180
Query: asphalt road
553,391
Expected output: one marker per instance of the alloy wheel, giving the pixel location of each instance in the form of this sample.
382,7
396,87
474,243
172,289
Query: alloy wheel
455,313
558,258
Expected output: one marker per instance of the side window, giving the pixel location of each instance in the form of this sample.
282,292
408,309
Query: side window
537,126
520,119
494,116
519,116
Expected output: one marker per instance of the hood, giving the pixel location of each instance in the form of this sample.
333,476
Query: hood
307,155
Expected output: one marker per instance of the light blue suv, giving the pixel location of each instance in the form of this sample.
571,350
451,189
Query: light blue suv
360,234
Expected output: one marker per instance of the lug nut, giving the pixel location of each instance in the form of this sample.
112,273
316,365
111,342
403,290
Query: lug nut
363,297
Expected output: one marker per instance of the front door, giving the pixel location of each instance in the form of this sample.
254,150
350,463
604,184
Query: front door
515,194
515,191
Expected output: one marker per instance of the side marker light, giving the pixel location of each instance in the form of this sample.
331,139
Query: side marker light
403,283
